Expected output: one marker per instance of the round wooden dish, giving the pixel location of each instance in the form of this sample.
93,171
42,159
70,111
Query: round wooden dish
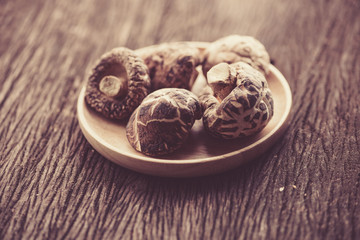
201,154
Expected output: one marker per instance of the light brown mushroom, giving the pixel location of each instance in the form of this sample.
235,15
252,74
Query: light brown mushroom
236,48
118,84
238,102
162,123
172,65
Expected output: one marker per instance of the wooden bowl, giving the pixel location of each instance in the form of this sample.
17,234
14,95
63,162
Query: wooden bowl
201,154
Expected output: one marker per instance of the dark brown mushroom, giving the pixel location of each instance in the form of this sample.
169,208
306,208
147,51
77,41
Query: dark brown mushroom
238,102
118,84
236,48
162,123
171,65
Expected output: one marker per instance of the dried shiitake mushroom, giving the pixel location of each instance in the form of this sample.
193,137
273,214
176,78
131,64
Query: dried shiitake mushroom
236,48
118,84
162,122
238,102
171,65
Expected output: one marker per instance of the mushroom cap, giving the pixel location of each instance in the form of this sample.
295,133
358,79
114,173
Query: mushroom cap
163,121
236,48
172,65
245,111
124,64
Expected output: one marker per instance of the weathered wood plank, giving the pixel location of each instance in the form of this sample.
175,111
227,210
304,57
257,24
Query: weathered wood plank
53,185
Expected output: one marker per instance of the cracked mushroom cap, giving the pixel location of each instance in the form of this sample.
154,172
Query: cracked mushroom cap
172,65
118,84
163,121
238,102
236,48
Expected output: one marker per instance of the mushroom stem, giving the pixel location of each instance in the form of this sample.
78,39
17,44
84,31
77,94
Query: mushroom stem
113,86
221,78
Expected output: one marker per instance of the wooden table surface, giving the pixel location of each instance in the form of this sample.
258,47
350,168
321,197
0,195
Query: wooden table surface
54,185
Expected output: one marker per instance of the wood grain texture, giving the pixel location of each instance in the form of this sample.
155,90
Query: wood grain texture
53,185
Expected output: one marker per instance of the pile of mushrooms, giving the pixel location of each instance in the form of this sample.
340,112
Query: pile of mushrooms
150,89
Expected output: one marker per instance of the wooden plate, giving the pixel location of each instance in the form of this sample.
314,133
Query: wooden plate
201,154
